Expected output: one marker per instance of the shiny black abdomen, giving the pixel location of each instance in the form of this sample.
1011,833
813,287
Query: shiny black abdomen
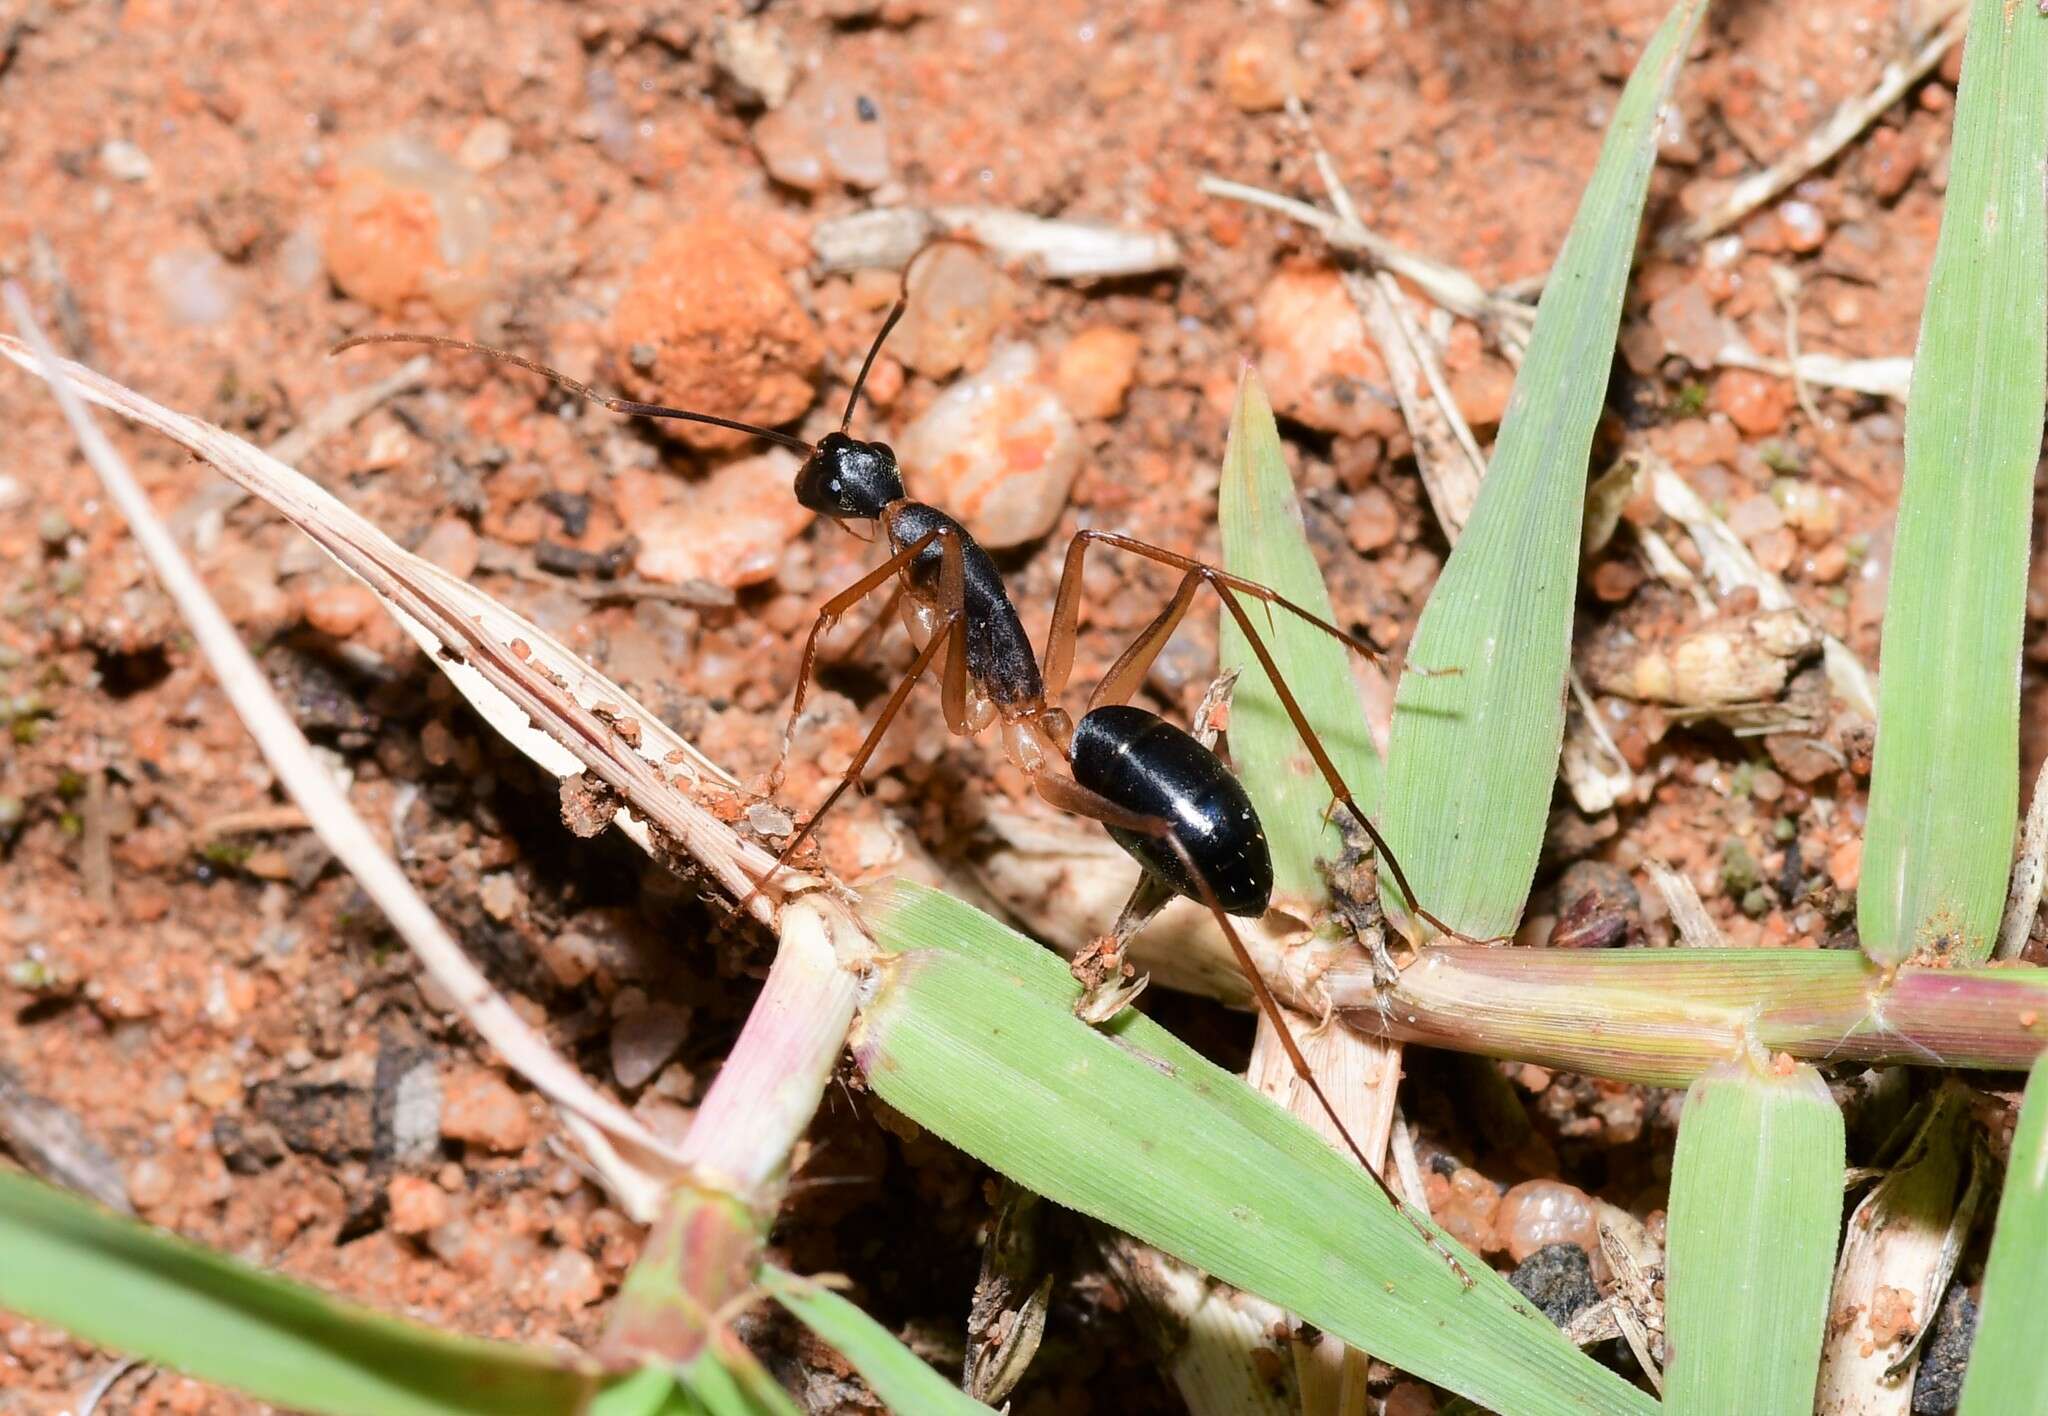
999,656
1145,764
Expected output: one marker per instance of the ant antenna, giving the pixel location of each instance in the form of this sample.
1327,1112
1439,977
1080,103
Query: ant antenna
584,390
895,313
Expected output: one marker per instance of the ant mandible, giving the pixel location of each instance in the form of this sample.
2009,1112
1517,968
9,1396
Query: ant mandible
1164,797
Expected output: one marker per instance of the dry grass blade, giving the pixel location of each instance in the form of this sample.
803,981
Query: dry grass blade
1473,755
531,688
1895,1263
1944,788
637,1164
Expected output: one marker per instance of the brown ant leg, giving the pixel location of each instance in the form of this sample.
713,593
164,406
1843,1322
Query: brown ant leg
1059,640
939,642
1314,745
1069,795
828,616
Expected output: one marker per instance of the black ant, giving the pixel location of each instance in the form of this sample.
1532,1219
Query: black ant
1167,799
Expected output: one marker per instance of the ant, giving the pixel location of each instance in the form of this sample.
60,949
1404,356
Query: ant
1167,799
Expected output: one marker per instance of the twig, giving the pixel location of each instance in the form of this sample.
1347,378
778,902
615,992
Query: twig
1509,319
1887,377
885,238
346,408
216,499
1842,126
254,821
104,1384
1696,928
1786,284
653,1163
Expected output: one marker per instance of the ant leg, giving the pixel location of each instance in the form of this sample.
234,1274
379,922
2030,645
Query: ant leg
1314,745
867,749
1070,795
1059,640
828,616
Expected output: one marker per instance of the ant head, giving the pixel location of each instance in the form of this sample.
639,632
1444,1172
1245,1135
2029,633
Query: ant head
847,479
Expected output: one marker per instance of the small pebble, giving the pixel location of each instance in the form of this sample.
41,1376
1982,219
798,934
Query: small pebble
195,285
1320,368
571,1281
1756,403
150,1183
830,129
407,223
1373,522
1689,325
1537,1213
709,322
216,1082
1481,389
1468,1208
1257,71
338,611
417,1205
1805,229
452,544
1558,1279
1809,510
958,301
998,450
643,1040
1094,371
754,59
730,529
1754,515
485,145
1891,159
478,1107
125,162
1845,864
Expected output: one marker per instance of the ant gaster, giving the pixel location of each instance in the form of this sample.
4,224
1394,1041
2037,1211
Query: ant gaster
1167,799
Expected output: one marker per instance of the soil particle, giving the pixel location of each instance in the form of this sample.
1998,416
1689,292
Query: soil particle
478,1107
731,529
958,301
406,223
998,450
832,129
1558,1279
1319,366
1938,1382
1257,71
1094,371
709,322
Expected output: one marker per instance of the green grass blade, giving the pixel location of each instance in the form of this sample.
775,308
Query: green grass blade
1944,790
2008,1360
972,1035
904,1380
1473,756
1263,541
136,1290
1756,1199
